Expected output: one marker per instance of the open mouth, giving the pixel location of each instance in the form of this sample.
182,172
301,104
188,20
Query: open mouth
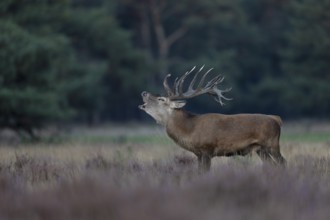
142,107
144,95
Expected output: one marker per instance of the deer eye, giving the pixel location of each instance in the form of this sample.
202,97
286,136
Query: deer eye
161,99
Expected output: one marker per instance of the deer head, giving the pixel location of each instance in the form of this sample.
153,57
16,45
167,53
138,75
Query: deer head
161,107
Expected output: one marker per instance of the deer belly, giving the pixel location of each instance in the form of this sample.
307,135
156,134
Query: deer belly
233,150
229,153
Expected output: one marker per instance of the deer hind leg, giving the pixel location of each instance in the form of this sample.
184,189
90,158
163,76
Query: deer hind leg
277,156
204,162
265,156
272,155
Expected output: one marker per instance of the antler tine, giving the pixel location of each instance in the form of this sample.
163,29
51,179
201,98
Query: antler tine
182,79
192,83
221,79
166,86
210,87
213,82
203,79
227,90
201,69
218,95
176,86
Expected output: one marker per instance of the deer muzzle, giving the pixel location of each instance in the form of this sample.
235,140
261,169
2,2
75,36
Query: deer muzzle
145,95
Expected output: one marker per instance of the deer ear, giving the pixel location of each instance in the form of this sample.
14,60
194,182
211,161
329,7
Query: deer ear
177,104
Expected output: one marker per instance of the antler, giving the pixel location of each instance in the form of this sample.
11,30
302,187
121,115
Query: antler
210,88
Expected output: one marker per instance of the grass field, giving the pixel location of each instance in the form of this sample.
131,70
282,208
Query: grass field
136,172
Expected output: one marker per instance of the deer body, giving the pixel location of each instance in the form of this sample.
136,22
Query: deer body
222,135
210,135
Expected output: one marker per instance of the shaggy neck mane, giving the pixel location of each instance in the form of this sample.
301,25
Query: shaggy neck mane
180,124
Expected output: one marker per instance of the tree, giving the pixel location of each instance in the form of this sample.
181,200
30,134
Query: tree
215,33
161,25
111,71
79,50
30,92
306,56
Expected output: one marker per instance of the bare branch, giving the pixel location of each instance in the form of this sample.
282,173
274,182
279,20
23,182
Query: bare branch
176,35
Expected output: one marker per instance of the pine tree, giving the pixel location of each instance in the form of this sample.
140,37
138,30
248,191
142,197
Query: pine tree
30,93
306,57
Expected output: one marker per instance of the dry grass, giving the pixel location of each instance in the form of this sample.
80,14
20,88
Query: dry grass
137,173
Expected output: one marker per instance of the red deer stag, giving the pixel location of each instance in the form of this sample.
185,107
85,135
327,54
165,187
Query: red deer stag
210,135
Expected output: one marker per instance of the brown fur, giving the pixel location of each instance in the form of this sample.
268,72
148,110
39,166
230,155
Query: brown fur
211,135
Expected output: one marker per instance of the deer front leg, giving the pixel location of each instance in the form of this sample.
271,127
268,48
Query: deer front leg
204,162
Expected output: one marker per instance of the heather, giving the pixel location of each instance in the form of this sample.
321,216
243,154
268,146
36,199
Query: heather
136,177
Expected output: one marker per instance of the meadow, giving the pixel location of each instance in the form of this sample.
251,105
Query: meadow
136,172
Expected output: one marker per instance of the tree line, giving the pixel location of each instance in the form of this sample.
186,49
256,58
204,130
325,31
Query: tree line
88,60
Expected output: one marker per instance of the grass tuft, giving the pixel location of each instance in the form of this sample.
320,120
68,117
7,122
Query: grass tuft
150,178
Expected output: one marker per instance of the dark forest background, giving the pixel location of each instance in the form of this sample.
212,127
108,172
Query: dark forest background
87,61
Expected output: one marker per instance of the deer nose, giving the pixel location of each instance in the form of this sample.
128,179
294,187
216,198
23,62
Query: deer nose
144,94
